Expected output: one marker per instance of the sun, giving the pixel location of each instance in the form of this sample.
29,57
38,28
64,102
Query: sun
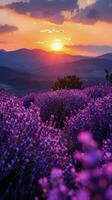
56,46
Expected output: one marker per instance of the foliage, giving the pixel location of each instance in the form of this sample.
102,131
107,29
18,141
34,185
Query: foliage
60,104
92,182
28,148
96,118
68,165
108,76
97,91
68,82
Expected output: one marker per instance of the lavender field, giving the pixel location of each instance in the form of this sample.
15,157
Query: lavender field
56,145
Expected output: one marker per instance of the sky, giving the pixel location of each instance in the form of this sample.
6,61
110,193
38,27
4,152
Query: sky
80,26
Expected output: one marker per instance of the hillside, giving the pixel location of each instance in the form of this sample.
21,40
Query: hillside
32,60
86,68
19,82
106,56
26,70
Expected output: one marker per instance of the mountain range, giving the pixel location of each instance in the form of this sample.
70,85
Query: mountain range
33,60
27,70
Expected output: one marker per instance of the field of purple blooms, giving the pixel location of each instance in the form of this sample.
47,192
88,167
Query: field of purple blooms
56,145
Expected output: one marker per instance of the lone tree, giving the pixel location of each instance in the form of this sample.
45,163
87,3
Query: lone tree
108,76
68,82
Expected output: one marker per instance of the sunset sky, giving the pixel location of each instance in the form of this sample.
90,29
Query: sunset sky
80,26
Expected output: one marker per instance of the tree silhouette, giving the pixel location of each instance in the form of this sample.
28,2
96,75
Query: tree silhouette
68,82
108,76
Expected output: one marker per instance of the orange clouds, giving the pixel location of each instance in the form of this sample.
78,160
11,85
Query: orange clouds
39,33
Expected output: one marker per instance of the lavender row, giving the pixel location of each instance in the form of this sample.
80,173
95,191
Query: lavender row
41,145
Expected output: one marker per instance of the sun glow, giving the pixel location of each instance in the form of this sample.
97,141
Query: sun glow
57,46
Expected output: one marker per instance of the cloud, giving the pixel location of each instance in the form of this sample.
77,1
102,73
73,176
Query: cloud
91,48
2,42
85,3
51,10
101,10
56,11
41,42
8,28
51,31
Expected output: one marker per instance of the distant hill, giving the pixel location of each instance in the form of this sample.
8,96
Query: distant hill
85,67
32,60
26,69
19,82
106,56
